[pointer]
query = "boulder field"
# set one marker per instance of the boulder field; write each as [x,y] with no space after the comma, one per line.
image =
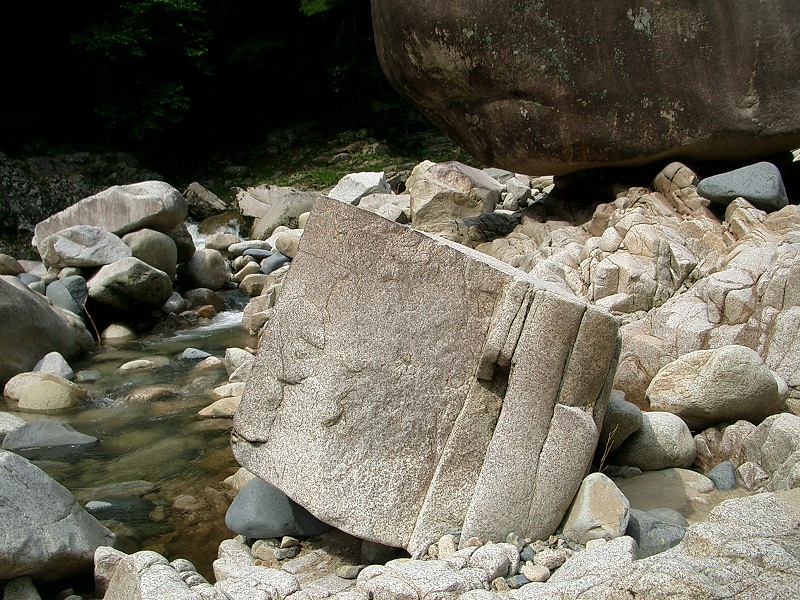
[530,395]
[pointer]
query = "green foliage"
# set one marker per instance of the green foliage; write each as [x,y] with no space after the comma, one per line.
[144,53]
[315,7]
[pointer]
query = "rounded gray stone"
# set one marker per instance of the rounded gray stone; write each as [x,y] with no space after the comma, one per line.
[760,184]
[59,295]
[653,535]
[664,441]
[723,475]
[260,510]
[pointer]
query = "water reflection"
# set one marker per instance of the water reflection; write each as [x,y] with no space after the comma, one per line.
[156,476]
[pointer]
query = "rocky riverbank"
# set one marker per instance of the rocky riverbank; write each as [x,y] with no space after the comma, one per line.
[454,350]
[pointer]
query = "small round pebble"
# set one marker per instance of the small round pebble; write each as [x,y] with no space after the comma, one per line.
[550,558]
[537,573]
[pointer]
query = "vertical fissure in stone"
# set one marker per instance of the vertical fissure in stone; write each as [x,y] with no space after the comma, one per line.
[506,327]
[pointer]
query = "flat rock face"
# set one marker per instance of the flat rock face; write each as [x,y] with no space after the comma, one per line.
[407,385]
[553,87]
[44,533]
[121,209]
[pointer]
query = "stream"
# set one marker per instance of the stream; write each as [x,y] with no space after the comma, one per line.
[156,477]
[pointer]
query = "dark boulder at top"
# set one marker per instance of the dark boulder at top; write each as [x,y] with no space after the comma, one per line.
[546,87]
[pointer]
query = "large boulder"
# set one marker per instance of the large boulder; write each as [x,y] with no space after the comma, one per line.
[82,246]
[32,327]
[130,285]
[552,87]
[122,209]
[664,441]
[399,394]
[44,533]
[713,386]
[760,184]
[272,206]
[155,248]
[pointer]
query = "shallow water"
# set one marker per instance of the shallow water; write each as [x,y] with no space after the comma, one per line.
[156,476]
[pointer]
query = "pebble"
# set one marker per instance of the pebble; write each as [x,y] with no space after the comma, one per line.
[194,354]
[448,544]
[517,581]
[527,553]
[537,573]
[499,584]
[550,558]
[349,571]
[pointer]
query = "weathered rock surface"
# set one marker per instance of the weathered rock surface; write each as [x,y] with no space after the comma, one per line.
[354,186]
[44,533]
[716,445]
[745,540]
[82,246]
[272,206]
[29,316]
[122,209]
[570,96]
[599,510]
[775,447]
[401,424]
[706,387]
[203,203]
[147,575]
[664,441]
[131,285]
[444,192]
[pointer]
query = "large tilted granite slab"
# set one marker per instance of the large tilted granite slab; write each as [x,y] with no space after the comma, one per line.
[121,209]
[407,385]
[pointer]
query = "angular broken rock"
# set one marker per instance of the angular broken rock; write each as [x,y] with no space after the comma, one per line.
[406,385]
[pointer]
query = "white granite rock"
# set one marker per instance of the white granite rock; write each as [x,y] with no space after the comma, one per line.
[600,510]
[711,386]
[664,441]
[359,390]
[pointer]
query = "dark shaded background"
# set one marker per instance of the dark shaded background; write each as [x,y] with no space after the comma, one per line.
[176,81]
